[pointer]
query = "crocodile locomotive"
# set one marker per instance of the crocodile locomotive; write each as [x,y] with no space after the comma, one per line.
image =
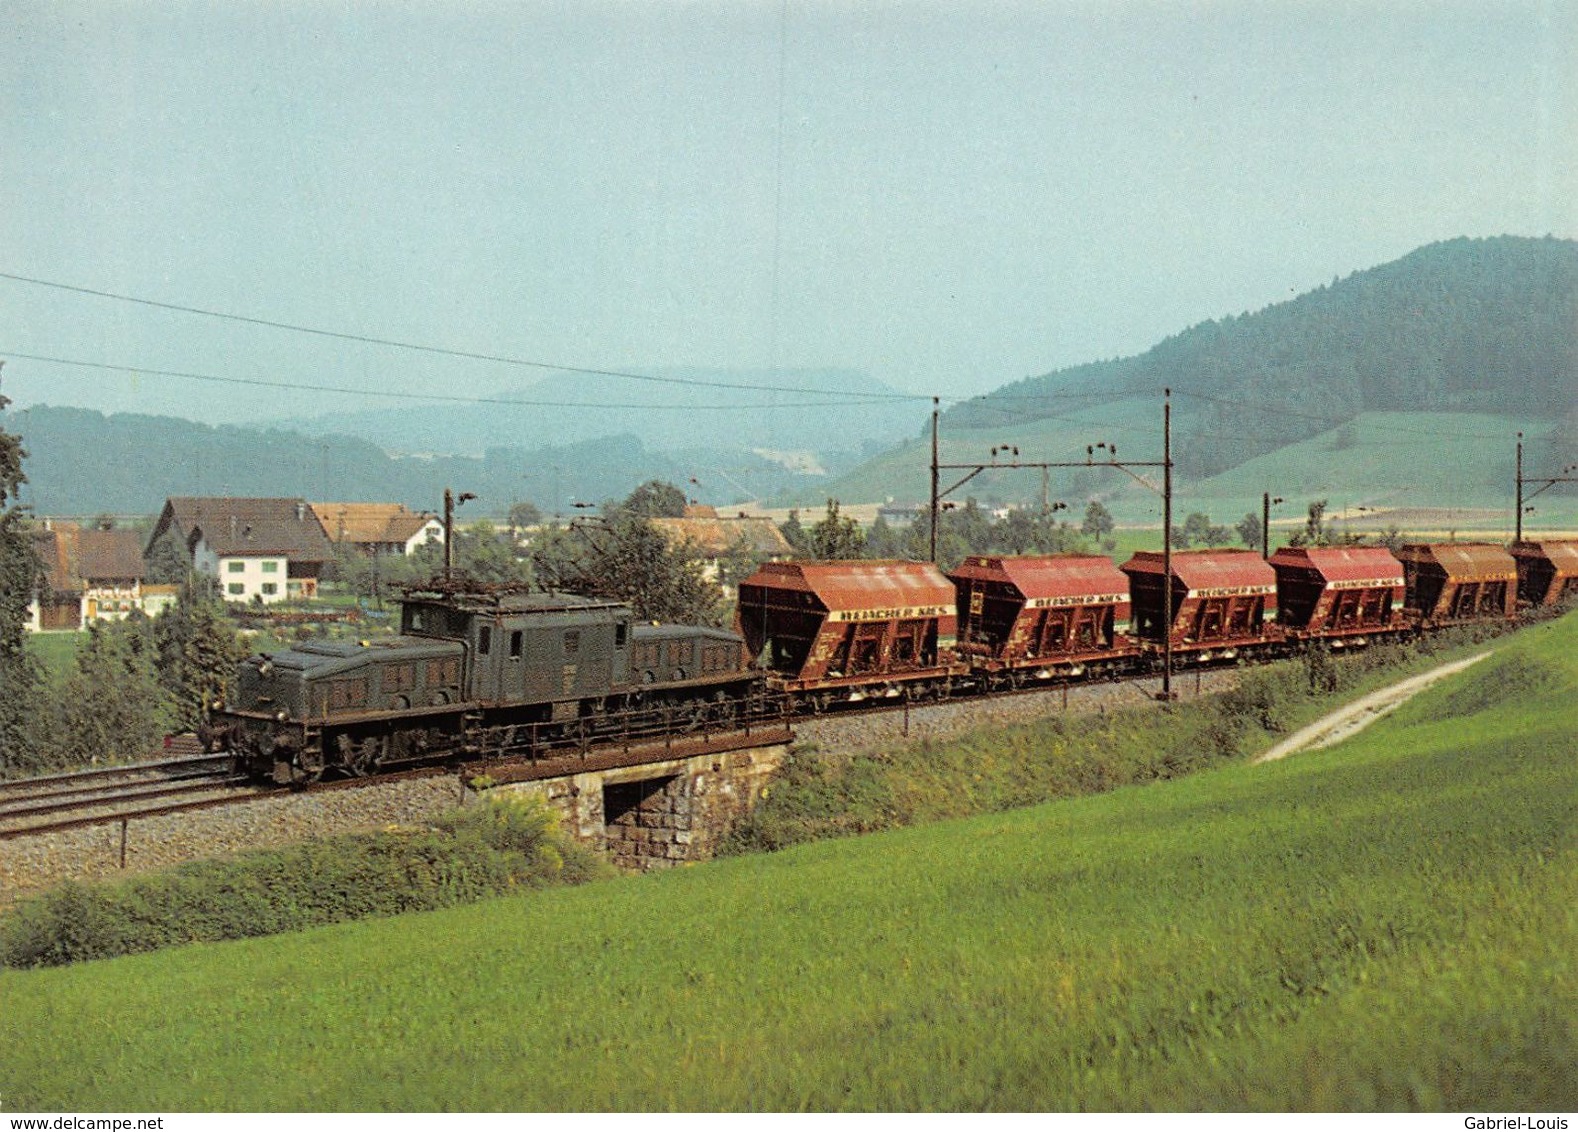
[475,670]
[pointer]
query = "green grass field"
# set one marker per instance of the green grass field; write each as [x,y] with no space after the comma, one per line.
[55,651]
[1388,924]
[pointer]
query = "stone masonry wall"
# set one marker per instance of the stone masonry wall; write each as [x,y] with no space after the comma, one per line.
[667,813]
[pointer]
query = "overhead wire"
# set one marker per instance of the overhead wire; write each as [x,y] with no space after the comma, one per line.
[441,351]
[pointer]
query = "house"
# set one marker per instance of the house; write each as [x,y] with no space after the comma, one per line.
[713,539]
[89,575]
[264,550]
[378,528]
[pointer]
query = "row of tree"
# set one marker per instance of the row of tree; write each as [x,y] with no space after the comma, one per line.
[131,683]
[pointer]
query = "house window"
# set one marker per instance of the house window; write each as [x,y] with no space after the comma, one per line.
[271,568]
[270,588]
[236,588]
[235,567]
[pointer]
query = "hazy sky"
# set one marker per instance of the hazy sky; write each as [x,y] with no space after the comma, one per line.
[948,196]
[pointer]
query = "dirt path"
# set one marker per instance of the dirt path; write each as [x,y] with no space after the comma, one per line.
[1358,715]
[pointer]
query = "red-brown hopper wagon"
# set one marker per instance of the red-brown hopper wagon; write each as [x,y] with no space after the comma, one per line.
[1450,582]
[1547,571]
[849,630]
[1223,602]
[1041,616]
[1341,594]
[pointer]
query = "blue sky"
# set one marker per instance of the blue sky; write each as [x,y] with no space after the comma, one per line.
[946,196]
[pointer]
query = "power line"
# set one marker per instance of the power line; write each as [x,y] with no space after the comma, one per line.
[142,371]
[501,359]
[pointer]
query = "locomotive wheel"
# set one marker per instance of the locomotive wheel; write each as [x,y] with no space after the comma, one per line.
[306,765]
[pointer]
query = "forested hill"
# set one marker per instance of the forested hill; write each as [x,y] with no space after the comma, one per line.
[81,462]
[1464,325]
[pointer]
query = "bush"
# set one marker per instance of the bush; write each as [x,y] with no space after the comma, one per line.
[466,856]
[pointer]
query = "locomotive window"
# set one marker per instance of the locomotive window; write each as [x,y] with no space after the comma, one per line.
[717,658]
[572,642]
[515,644]
[620,629]
[484,640]
[416,619]
[443,672]
[347,694]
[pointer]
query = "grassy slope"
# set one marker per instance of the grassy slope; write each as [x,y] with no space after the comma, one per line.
[1388,924]
[1385,460]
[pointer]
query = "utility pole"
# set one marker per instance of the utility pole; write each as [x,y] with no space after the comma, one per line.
[1167,544]
[450,503]
[1265,522]
[935,498]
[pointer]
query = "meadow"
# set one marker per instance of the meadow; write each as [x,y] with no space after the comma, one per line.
[1390,924]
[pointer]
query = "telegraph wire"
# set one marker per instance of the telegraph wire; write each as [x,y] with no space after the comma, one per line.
[442,351]
[142,371]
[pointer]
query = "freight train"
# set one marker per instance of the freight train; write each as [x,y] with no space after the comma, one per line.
[497,671]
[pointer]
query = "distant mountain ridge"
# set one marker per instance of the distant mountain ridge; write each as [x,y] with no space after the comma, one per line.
[670,413]
[1482,325]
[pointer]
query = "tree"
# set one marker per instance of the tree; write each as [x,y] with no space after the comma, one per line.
[20,675]
[198,648]
[112,707]
[656,499]
[1198,530]
[1249,530]
[1098,522]
[627,559]
[794,533]
[482,554]
[523,514]
[836,536]
[1314,532]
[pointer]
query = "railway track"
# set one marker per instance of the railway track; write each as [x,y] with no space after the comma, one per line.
[34,805]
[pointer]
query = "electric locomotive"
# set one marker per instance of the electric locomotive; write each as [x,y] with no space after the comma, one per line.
[475,671]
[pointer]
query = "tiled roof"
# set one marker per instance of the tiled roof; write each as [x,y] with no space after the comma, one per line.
[53,550]
[239,528]
[105,555]
[73,558]
[369,522]
[757,537]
